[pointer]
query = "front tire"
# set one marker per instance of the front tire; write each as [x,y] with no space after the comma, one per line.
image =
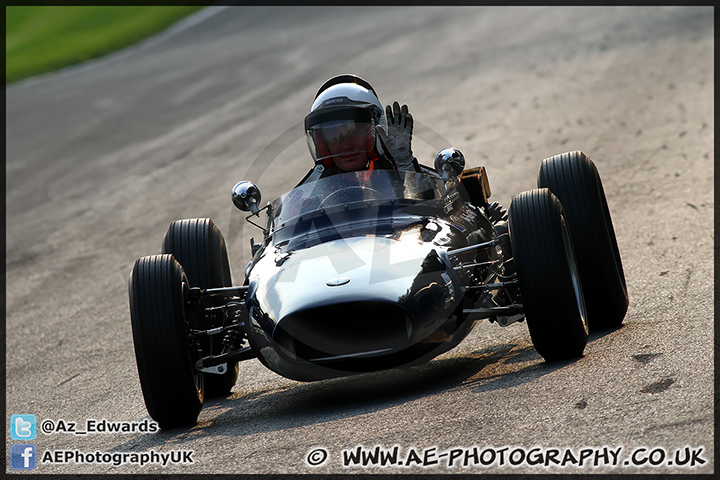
[161,319]
[200,248]
[550,285]
[575,180]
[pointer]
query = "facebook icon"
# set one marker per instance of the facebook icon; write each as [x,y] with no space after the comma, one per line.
[23,457]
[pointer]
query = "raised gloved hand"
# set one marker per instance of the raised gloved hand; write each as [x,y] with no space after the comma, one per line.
[399,135]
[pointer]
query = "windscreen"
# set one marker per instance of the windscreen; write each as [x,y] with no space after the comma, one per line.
[356,190]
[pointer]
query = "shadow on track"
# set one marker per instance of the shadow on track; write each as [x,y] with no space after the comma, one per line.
[303,404]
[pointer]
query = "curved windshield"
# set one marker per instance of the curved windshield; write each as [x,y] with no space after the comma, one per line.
[356,190]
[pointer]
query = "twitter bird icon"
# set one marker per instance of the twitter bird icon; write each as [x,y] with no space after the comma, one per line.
[23,427]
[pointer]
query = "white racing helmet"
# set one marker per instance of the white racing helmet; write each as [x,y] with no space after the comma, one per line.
[343,118]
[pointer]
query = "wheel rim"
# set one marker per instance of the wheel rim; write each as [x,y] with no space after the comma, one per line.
[575,276]
[192,350]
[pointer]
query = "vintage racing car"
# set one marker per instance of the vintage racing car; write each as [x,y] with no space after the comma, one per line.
[371,270]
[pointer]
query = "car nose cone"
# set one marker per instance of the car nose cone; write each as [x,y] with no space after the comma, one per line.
[337,281]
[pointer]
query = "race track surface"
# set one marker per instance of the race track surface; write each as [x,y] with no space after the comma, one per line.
[101,158]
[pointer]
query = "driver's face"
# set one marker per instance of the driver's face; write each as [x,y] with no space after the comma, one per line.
[349,145]
[351,162]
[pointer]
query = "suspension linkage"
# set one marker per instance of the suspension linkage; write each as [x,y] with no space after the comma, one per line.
[214,360]
[477,313]
[492,286]
[457,251]
[239,291]
[472,265]
[213,331]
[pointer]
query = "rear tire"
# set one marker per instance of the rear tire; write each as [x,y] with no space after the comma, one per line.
[200,248]
[575,180]
[550,286]
[161,319]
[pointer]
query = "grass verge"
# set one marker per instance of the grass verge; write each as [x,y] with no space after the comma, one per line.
[40,39]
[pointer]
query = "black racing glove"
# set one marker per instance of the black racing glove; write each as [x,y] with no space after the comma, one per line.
[399,136]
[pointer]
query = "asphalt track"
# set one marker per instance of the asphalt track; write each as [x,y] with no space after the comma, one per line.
[100,159]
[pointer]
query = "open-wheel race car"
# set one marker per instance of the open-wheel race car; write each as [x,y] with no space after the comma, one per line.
[370,270]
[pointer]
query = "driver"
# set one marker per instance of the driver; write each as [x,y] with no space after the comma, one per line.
[347,130]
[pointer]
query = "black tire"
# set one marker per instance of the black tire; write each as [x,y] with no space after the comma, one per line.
[575,180]
[200,248]
[161,318]
[549,281]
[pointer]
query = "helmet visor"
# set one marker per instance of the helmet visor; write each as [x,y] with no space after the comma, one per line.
[343,133]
